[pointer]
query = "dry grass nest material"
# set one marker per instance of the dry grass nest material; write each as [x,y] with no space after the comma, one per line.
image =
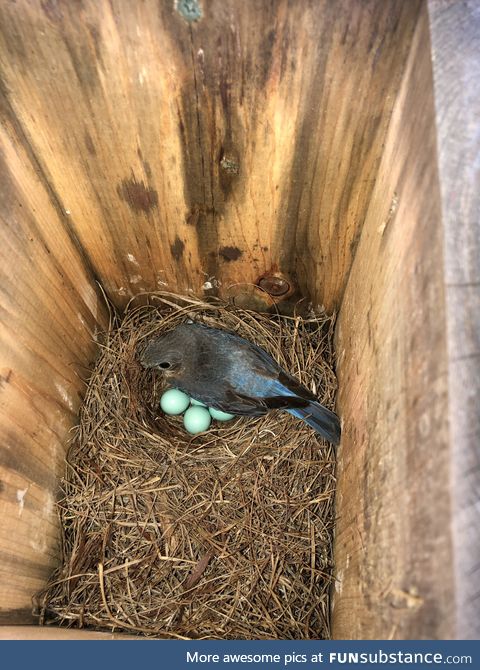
[227,534]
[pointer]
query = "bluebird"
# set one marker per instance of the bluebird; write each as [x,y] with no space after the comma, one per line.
[227,372]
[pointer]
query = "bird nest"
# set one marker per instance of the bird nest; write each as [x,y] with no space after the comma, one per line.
[226,534]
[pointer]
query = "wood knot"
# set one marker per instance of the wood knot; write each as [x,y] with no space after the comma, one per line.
[138,196]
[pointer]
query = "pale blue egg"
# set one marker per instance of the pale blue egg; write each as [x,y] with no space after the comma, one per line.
[218,415]
[174,401]
[196,419]
[197,402]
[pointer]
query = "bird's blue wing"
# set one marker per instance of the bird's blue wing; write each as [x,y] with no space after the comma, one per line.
[231,400]
[251,381]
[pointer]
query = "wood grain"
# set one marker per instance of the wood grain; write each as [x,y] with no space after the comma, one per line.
[51,633]
[200,155]
[49,310]
[393,537]
[455,31]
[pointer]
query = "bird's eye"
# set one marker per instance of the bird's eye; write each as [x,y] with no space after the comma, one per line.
[164,365]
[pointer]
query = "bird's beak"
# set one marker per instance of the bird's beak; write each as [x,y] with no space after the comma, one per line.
[147,360]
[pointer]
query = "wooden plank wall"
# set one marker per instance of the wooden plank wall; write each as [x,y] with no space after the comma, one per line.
[393,538]
[147,150]
[455,29]
[53,633]
[49,310]
[197,154]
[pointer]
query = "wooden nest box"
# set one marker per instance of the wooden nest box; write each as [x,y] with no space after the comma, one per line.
[262,152]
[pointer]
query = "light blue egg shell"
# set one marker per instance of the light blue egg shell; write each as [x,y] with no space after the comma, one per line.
[197,403]
[174,402]
[196,419]
[218,415]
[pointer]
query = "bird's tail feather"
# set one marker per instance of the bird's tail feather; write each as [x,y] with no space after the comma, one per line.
[321,419]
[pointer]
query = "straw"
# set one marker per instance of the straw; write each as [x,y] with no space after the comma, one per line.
[227,534]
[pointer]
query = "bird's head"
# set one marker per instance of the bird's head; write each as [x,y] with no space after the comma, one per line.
[163,354]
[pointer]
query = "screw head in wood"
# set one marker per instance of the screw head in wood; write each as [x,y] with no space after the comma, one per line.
[274,285]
